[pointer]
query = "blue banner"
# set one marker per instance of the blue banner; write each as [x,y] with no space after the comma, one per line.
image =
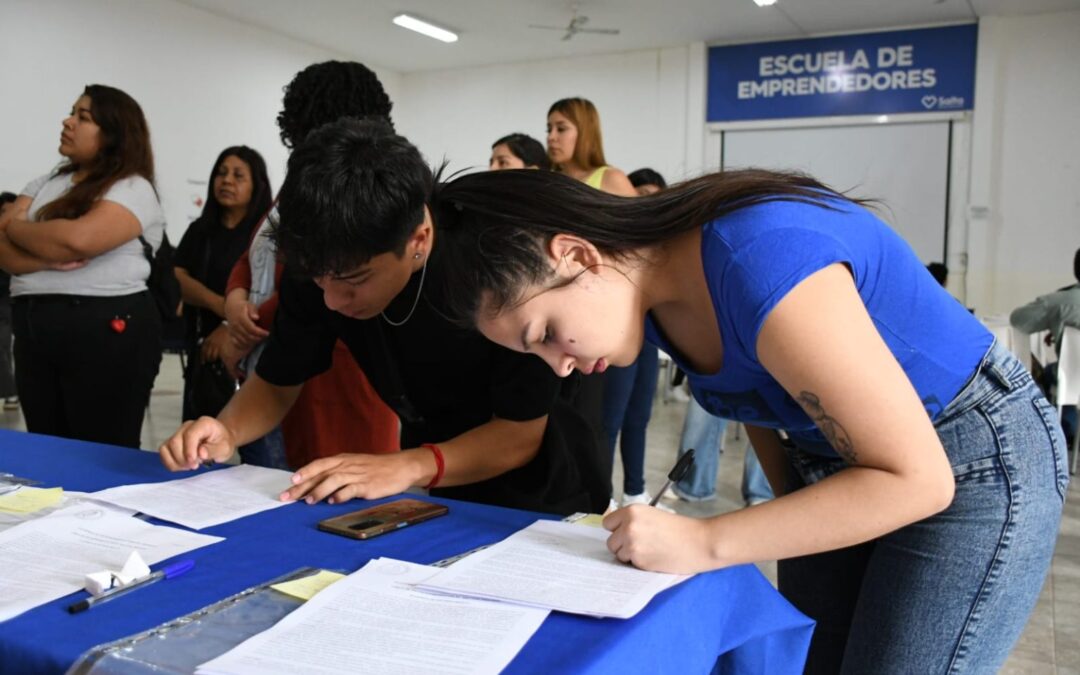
[924,70]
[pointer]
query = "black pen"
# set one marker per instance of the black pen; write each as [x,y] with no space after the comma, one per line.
[167,572]
[676,474]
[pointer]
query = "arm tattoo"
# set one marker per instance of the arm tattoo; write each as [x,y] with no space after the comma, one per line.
[832,429]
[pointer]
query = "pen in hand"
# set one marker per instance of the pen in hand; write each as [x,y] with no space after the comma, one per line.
[676,474]
[167,572]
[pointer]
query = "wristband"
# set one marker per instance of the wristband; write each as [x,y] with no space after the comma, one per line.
[440,464]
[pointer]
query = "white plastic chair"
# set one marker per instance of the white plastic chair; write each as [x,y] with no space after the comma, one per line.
[1021,346]
[1040,351]
[1068,380]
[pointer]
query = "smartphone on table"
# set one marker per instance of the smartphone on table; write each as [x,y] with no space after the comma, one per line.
[372,522]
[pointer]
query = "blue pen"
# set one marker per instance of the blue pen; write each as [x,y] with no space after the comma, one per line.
[167,572]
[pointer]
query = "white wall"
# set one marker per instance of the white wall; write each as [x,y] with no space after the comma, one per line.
[1024,220]
[649,103]
[204,83]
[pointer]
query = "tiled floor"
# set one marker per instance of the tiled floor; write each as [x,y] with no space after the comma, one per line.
[1050,644]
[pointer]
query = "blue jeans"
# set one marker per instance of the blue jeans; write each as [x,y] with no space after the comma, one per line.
[953,592]
[705,433]
[268,451]
[628,398]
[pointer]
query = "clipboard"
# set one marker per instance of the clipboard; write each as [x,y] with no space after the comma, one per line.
[182,644]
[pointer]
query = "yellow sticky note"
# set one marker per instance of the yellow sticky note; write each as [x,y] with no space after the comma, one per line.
[591,520]
[29,499]
[306,588]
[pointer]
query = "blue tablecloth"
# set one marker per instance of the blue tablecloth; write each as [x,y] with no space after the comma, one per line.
[733,615]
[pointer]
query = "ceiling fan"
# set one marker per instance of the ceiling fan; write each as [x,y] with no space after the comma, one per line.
[577,25]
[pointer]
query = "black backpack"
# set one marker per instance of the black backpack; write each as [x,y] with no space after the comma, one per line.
[164,288]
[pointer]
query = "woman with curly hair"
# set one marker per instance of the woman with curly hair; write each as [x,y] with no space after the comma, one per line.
[337,411]
[87,333]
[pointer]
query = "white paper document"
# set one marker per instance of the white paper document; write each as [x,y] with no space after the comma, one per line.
[48,557]
[205,500]
[556,565]
[374,622]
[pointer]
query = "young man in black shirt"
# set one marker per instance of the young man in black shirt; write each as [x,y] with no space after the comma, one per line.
[479,422]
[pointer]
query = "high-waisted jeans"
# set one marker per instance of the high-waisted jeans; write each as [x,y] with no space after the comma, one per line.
[953,592]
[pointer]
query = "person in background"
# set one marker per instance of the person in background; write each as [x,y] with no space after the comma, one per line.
[921,484]
[575,146]
[1052,312]
[629,391]
[337,411]
[87,332]
[704,433]
[238,195]
[518,151]
[7,373]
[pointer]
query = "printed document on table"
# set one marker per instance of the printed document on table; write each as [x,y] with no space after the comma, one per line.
[48,557]
[373,621]
[556,565]
[205,500]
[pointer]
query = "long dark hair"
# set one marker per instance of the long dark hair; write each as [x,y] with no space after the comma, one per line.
[493,227]
[124,151]
[261,196]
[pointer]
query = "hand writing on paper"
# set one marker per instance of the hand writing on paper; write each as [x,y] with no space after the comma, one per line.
[656,541]
[195,442]
[347,476]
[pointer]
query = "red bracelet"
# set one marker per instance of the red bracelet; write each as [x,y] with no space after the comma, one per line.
[440,464]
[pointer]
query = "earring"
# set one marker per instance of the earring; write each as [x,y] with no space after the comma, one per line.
[416,256]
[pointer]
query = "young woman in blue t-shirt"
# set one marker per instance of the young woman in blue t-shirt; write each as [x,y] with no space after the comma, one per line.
[921,474]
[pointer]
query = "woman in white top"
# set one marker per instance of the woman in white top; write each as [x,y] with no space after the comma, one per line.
[87,333]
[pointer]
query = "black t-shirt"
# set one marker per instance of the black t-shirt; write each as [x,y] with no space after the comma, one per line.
[447,380]
[208,251]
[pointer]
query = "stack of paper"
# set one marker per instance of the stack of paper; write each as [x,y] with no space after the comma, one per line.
[47,558]
[555,565]
[205,500]
[373,621]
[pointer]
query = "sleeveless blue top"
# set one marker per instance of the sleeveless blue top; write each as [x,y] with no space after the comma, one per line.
[756,255]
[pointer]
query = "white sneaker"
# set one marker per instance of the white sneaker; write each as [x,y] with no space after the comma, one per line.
[644,498]
[11,403]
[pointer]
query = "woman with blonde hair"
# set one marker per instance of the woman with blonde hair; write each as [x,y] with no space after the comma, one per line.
[576,146]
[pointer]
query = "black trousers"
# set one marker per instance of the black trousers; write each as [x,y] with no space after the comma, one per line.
[84,366]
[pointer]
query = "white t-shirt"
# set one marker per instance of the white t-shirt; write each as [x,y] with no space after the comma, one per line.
[120,271]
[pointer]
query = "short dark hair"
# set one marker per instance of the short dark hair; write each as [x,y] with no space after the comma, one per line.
[7,197]
[647,177]
[324,92]
[354,190]
[527,149]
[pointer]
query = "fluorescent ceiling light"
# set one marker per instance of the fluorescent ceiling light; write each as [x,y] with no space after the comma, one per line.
[425,28]
[764,3]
